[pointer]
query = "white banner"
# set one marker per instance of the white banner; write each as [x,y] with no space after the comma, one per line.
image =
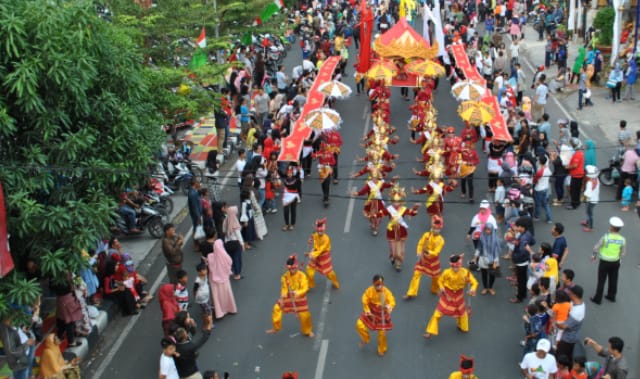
[425,23]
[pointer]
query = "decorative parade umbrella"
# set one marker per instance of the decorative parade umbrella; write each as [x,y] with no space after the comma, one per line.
[476,113]
[382,70]
[425,68]
[468,90]
[335,89]
[323,119]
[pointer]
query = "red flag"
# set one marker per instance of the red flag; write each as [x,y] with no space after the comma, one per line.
[6,261]
[366,26]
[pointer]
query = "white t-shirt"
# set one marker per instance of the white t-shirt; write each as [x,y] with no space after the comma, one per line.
[168,367]
[543,181]
[203,295]
[539,368]
[240,163]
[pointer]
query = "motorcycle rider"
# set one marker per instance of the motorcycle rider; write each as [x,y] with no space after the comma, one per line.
[127,210]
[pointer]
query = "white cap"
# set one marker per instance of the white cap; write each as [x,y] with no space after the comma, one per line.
[616,222]
[484,204]
[544,345]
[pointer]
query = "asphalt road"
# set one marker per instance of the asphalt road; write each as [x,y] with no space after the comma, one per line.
[239,343]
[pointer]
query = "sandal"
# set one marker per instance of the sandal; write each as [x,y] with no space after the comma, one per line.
[484,291]
[492,291]
[292,227]
[285,228]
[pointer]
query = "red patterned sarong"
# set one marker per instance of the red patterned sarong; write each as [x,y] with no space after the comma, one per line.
[429,265]
[301,305]
[322,263]
[452,303]
[374,322]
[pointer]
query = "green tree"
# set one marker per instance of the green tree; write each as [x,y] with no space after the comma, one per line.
[78,122]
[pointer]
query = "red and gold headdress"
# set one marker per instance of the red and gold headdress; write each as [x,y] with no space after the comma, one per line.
[321,224]
[466,364]
[292,261]
[397,193]
[455,260]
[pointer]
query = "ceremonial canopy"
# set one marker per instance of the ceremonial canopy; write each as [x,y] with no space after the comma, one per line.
[401,41]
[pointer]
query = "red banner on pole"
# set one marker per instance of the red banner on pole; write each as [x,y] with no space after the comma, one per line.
[292,144]
[6,261]
[498,125]
[366,27]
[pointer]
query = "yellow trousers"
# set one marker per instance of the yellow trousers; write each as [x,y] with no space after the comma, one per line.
[305,320]
[363,332]
[311,273]
[414,285]
[432,326]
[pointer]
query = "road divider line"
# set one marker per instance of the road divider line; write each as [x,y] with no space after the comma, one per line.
[322,359]
[364,111]
[323,314]
[352,201]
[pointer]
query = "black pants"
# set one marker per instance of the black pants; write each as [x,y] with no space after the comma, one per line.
[306,164]
[125,300]
[360,86]
[492,180]
[487,278]
[615,92]
[566,349]
[607,270]
[559,185]
[335,167]
[467,181]
[624,176]
[404,91]
[326,185]
[63,328]
[575,186]
[290,213]
[234,249]
[521,276]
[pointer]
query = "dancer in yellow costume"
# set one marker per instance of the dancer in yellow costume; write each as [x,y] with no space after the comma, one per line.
[466,369]
[320,256]
[428,250]
[452,284]
[293,299]
[377,304]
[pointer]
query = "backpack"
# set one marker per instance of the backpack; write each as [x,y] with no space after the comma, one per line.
[514,194]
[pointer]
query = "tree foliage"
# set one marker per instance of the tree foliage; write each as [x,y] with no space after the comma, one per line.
[78,122]
[603,22]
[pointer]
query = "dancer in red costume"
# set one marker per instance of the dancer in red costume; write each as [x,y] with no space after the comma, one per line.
[397,228]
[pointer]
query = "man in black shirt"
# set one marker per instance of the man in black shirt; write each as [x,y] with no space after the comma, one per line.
[188,350]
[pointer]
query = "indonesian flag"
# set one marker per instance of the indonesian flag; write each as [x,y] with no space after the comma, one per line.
[271,9]
[202,40]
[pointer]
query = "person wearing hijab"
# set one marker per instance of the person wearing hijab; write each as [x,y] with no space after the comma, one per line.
[52,363]
[168,306]
[234,244]
[479,221]
[590,154]
[487,256]
[220,263]
[578,63]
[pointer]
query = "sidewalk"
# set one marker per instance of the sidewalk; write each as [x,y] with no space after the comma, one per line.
[604,116]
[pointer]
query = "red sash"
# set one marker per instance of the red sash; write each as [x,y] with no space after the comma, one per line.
[374,322]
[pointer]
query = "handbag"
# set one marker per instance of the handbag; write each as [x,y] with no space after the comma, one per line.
[199,233]
[611,83]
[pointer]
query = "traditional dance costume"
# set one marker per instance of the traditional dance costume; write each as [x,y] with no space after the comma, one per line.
[320,256]
[373,207]
[428,249]
[293,299]
[377,304]
[397,228]
[452,284]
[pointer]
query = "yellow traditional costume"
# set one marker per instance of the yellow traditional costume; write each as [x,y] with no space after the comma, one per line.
[452,284]
[377,304]
[293,299]
[429,248]
[466,369]
[320,256]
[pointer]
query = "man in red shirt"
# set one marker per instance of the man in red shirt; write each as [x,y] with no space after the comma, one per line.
[576,172]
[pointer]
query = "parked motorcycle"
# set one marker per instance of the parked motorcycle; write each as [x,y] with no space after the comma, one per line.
[146,218]
[610,175]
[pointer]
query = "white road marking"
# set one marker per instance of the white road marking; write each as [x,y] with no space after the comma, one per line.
[352,202]
[557,102]
[322,359]
[364,111]
[323,314]
[132,321]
